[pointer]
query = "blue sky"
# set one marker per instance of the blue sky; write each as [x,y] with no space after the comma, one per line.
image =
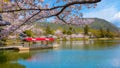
[106,9]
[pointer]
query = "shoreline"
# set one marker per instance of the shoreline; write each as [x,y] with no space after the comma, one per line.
[86,39]
[16,42]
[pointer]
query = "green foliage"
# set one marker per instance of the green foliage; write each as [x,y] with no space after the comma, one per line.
[100,28]
[70,31]
[102,33]
[96,25]
[86,29]
[29,33]
[101,23]
[111,35]
[3,41]
[59,26]
[7,56]
[95,33]
[64,39]
[64,31]
[3,58]
[48,30]
[11,65]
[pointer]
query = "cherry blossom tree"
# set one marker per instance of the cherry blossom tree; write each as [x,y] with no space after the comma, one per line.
[21,12]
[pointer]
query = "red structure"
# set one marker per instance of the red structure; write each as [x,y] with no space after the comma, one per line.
[30,39]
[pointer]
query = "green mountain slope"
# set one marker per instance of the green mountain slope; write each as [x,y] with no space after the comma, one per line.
[96,24]
[101,23]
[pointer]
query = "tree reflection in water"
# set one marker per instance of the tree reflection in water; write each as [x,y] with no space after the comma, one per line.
[3,57]
[89,45]
[8,60]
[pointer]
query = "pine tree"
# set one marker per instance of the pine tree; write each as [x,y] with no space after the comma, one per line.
[48,30]
[86,29]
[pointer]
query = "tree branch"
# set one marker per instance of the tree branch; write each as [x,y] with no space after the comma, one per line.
[27,20]
[63,7]
[18,4]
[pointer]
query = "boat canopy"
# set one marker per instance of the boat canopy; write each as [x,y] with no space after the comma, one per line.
[30,39]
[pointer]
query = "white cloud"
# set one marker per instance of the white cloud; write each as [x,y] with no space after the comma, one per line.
[109,11]
[110,14]
[116,17]
[104,13]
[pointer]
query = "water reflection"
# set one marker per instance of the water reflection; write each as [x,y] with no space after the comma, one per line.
[70,54]
[11,65]
[89,45]
[3,57]
[8,59]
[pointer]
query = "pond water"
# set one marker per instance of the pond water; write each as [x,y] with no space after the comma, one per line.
[74,54]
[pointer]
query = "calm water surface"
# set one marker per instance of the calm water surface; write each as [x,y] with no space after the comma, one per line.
[75,54]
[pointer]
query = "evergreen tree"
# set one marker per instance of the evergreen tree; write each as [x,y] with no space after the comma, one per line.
[70,31]
[102,33]
[48,30]
[29,33]
[107,32]
[64,31]
[86,29]
[110,34]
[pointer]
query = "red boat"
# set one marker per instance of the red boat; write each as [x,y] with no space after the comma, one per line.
[30,39]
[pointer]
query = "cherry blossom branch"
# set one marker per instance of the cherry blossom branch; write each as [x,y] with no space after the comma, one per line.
[38,11]
[18,4]
[26,21]
[63,7]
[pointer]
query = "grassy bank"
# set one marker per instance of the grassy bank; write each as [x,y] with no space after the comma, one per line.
[106,39]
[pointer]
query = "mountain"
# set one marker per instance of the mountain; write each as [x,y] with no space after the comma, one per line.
[96,23]
[101,23]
